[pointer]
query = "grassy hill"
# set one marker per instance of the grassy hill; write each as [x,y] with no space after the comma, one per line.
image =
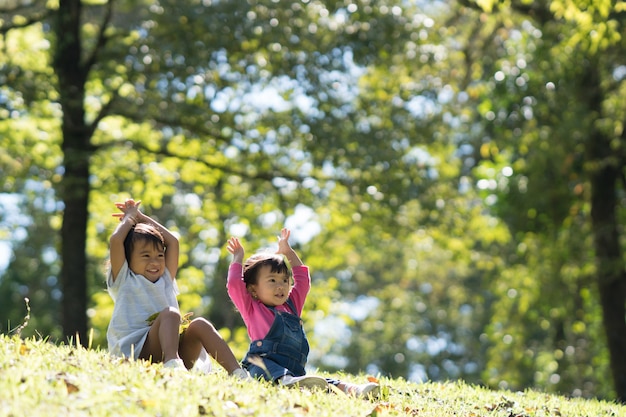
[41,379]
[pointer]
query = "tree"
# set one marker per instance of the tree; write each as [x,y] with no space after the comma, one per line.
[525,105]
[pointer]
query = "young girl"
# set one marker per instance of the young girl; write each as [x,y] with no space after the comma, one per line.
[142,282]
[270,306]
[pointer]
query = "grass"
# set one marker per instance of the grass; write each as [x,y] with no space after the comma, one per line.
[38,378]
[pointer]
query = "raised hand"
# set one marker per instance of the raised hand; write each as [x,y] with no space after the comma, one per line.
[129,208]
[283,242]
[234,246]
[285,249]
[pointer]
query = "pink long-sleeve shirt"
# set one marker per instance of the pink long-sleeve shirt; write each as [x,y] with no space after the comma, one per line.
[256,315]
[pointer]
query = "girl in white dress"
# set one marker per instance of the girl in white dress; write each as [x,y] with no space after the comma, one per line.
[142,282]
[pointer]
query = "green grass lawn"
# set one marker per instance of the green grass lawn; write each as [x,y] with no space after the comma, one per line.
[42,379]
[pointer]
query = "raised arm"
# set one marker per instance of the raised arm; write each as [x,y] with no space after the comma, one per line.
[128,218]
[285,249]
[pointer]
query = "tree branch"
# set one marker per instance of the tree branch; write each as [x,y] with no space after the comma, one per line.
[104,112]
[102,38]
[30,16]
[163,121]
[225,168]
[537,10]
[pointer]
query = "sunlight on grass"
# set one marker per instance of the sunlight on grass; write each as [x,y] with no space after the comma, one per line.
[38,378]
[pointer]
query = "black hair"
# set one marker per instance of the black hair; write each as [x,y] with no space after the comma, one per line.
[142,232]
[252,265]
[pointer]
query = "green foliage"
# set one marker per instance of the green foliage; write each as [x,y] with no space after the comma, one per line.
[441,149]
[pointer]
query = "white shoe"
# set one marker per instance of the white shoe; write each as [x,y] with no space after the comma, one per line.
[304,381]
[175,365]
[371,389]
[242,374]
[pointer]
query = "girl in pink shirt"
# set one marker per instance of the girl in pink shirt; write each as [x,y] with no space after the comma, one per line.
[262,290]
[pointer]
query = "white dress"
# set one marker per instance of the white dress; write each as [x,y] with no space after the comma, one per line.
[136,299]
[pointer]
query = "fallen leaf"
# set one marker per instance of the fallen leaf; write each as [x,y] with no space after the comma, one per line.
[146,403]
[71,388]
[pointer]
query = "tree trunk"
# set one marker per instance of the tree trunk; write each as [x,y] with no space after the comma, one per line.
[611,275]
[74,187]
[604,173]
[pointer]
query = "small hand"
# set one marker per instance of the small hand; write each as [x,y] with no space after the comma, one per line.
[129,208]
[283,241]
[234,246]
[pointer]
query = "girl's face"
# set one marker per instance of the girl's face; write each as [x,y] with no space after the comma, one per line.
[272,288]
[147,259]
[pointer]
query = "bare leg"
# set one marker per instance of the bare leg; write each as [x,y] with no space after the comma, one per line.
[201,333]
[342,386]
[162,341]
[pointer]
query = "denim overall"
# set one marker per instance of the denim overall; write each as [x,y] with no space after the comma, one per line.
[283,351]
